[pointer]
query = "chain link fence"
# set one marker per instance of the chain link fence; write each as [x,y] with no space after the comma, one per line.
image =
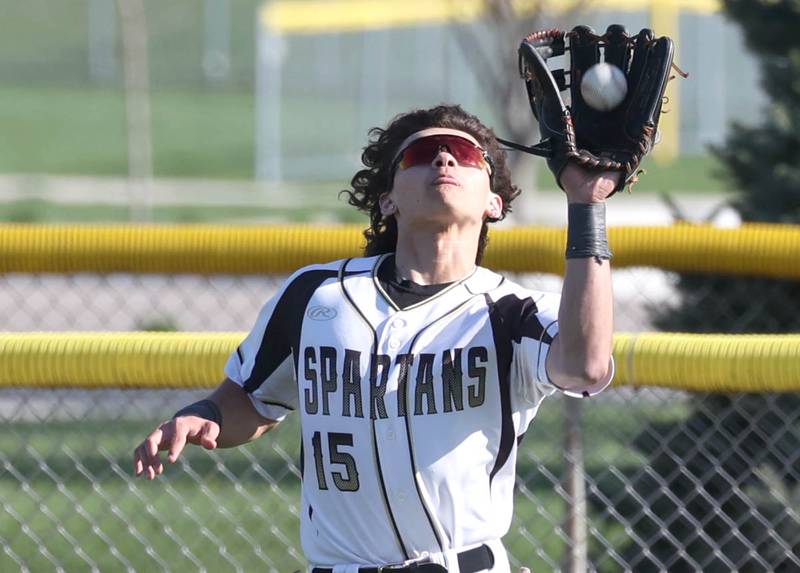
[674,482]
[122,302]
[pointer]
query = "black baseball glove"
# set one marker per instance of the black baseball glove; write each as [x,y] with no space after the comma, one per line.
[617,139]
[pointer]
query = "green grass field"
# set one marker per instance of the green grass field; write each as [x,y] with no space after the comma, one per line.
[39,211]
[204,134]
[69,497]
[209,134]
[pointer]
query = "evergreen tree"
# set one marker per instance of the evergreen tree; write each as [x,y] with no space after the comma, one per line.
[724,476]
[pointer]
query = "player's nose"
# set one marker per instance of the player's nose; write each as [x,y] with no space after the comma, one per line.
[444,159]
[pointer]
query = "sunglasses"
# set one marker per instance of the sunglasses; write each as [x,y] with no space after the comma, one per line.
[424,150]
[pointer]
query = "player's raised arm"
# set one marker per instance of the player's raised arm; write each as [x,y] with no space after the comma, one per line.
[225,419]
[593,146]
[580,356]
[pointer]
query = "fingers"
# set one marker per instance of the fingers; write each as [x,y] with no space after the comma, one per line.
[173,437]
[146,460]
[177,443]
[617,51]
[524,570]
[194,430]
[209,435]
[584,53]
[584,185]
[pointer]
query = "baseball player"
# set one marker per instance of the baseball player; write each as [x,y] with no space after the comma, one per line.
[414,370]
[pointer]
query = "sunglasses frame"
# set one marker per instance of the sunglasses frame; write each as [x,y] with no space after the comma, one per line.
[399,157]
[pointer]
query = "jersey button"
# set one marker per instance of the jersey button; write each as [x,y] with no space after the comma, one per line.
[399,323]
[394,343]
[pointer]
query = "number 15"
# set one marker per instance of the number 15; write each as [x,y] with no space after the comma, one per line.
[347,481]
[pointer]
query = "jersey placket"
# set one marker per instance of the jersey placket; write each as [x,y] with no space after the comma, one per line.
[414,515]
[405,493]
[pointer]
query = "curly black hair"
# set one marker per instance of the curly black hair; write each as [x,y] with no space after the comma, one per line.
[370,183]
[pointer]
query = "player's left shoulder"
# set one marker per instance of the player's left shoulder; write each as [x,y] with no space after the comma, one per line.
[483,281]
[504,287]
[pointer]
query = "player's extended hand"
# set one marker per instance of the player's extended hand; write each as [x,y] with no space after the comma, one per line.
[588,186]
[173,435]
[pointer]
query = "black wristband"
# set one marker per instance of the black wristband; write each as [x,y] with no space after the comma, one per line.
[205,409]
[586,231]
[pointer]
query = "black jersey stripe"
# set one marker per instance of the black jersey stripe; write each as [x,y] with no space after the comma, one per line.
[279,404]
[282,333]
[502,335]
[283,327]
[519,317]
[302,458]
[375,451]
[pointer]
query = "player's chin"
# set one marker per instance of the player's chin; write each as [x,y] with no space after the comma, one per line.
[444,188]
[459,215]
[452,198]
[449,205]
[439,214]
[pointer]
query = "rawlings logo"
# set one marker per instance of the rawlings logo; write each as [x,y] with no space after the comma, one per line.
[321,313]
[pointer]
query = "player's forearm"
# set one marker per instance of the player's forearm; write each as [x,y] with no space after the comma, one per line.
[580,354]
[582,349]
[241,423]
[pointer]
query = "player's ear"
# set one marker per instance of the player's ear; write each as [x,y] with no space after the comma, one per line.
[494,207]
[387,205]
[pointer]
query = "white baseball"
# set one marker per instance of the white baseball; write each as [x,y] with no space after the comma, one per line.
[604,86]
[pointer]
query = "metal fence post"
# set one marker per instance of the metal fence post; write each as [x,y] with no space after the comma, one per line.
[137,107]
[269,57]
[217,40]
[576,557]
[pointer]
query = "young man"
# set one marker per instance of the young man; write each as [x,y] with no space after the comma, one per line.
[415,369]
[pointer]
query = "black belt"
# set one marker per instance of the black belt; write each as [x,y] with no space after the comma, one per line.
[469,561]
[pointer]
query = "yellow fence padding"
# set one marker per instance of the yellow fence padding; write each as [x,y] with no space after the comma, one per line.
[692,362]
[709,362]
[114,359]
[172,249]
[753,249]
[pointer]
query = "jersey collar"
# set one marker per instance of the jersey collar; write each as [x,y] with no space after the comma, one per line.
[479,281]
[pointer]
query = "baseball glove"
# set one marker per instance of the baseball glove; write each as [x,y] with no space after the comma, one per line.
[617,139]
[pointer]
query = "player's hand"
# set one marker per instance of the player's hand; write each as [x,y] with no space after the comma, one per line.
[588,186]
[172,436]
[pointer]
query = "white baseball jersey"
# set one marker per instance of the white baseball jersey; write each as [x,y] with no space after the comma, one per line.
[410,418]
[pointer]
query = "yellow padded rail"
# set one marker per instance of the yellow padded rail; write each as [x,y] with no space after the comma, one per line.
[691,362]
[709,362]
[114,359]
[753,249]
[204,249]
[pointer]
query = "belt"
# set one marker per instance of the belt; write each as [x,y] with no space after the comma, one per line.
[469,561]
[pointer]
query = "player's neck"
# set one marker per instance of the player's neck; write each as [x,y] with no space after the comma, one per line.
[434,259]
